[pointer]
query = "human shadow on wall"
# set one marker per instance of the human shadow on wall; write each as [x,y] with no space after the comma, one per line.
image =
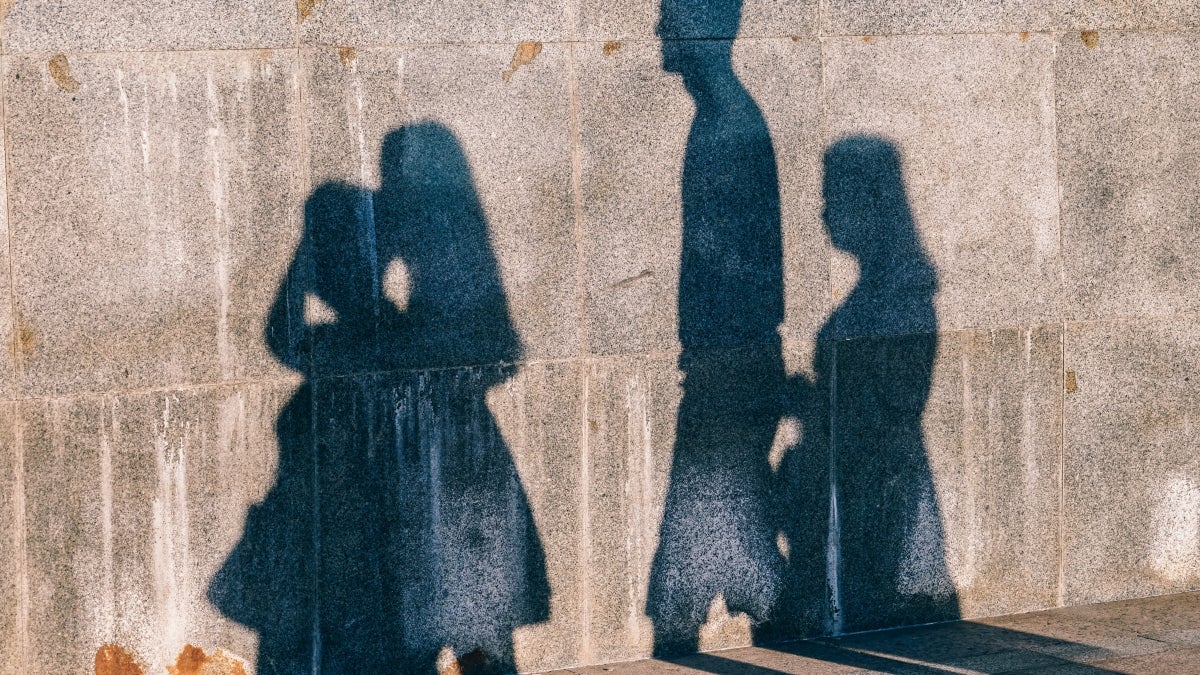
[397,529]
[747,522]
[885,552]
[717,539]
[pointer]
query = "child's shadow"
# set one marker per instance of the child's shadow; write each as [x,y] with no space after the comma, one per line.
[880,525]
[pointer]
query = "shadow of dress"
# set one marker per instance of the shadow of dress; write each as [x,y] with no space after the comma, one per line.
[398,526]
[874,365]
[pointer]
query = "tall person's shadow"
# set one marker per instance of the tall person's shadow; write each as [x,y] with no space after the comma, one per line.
[717,540]
[397,534]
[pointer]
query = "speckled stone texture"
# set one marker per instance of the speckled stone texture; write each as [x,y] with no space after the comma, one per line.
[50,26]
[513,336]
[878,17]
[383,22]
[156,200]
[1134,391]
[633,133]
[12,558]
[972,120]
[144,495]
[1127,155]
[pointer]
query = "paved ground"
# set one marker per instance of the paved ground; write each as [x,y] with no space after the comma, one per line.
[1154,635]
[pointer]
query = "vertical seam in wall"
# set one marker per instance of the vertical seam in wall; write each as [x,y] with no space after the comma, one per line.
[833,536]
[586,649]
[1060,595]
[577,201]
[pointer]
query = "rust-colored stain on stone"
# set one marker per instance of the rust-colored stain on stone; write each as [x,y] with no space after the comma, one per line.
[348,55]
[795,38]
[193,661]
[60,70]
[5,5]
[1024,35]
[26,338]
[526,52]
[305,7]
[189,661]
[114,660]
[868,39]
[611,47]
[1090,38]
[1071,385]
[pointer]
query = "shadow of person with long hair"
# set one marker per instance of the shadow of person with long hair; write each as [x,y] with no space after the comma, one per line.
[717,536]
[874,365]
[397,534]
[854,499]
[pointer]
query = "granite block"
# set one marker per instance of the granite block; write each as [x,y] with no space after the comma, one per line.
[999,480]
[875,17]
[251,593]
[440,211]
[946,454]
[631,404]
[1181,661]
[1177,614]
[133,503]
[152,203]
[649,19]
[1059,634]
[944,147]
[73,25]
[11,334]
[539,414]
[1144,15]
[12,546]
[848,17]
[1130,458]
[708,242]
[352,100]
[382,22]
[1128,148]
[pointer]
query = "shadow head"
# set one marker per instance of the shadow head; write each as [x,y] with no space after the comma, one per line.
[866,209]
[688,28]
[337,231]
[423,155]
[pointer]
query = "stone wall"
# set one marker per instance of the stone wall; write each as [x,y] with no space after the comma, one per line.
[349,335]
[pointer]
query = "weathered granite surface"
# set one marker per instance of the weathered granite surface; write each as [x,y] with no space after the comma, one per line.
[351,335]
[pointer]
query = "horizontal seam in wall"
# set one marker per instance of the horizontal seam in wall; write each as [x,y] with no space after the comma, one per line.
[585,360]
[320,46]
